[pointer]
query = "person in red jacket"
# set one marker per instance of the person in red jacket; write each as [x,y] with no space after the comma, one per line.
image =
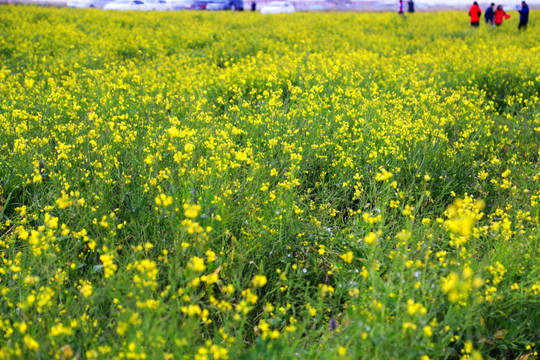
[474,13]
[500,15]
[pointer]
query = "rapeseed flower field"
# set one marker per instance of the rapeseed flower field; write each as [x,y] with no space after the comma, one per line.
[233,186]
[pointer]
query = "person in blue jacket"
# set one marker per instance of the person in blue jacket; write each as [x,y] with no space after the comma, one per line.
[523,16]
[489,14]
[411,6]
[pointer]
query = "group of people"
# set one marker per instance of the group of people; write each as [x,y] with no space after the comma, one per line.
[411,7]
[495,17]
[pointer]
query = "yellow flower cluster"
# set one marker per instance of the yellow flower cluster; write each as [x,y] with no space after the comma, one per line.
[204,185]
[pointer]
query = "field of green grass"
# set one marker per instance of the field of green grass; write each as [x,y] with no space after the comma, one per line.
[194,185]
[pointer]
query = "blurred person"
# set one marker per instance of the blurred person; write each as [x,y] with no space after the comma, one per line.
[474,13]
[489,15]
[500,15]
[411,6]
[523,16]
[401,7]
[253,6]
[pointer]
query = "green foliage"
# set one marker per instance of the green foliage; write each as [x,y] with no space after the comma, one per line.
[230,185]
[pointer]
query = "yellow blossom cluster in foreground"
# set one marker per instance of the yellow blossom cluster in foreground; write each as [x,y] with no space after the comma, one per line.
[232,186]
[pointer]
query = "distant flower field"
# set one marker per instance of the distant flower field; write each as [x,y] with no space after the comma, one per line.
[233,186]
